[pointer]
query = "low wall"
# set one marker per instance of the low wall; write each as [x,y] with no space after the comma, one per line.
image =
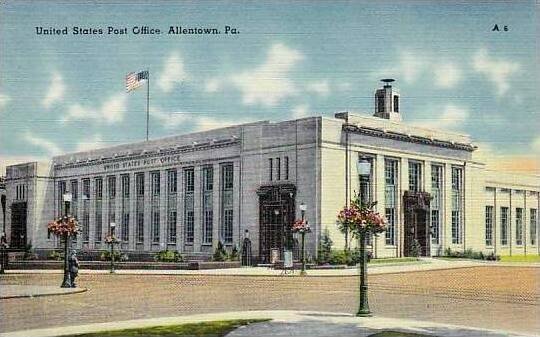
[105,265]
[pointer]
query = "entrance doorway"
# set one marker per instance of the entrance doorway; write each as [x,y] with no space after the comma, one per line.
[276,215]
[18,225]
[417,228]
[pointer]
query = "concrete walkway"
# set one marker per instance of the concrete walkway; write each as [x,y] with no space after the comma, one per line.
[424,264]
[15,291]
[283,323]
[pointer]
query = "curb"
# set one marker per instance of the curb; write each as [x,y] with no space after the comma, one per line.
[276,316]
[76,291]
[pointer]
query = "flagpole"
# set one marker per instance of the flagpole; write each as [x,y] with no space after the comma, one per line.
[147,102]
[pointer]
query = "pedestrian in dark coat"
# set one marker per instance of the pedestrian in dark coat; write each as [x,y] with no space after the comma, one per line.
[73,264]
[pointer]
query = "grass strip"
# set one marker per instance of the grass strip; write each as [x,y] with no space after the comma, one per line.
[203,329]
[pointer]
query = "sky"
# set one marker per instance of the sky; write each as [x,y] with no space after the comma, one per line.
[289,59]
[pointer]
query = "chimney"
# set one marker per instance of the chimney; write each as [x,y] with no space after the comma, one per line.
[387,101]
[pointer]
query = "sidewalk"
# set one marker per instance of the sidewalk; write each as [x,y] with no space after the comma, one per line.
[283,323]
[15,291]
[424,264]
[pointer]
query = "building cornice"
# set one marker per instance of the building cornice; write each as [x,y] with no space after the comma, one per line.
[407,138]
[144,154]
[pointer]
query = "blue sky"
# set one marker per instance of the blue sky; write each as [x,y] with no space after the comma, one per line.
[291,59]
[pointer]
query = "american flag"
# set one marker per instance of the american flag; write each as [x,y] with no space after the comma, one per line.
[135,80]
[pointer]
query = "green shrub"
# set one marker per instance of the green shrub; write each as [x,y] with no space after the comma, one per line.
[415,249]
[325,248]
[235,254]
[168,256]
[118,256]
[55,255]
[470,254]
[220,254]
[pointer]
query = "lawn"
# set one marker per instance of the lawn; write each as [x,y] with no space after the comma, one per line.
[521,258]
[205,329]
[398,334]
[394,260]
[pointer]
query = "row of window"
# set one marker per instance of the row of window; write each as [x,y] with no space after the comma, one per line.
[505,224]
[391,172]
[21,192]
[278,169]
[207,216]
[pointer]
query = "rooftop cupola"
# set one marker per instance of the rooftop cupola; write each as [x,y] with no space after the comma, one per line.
[387,101]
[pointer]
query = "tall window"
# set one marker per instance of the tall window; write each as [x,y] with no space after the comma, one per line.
[207,203]
[390,192]
[227,183]
[99,209]
[111,182]
[86,210]
[189,200]
[532,226]
[270,168]
[415,176]
[155,189]
[139,207]
[172,187]
[286,168]
[125,207]
[74,198]
[278,168]
[519,226]
[61,192]
[504,226]
[365,187]
[436,202]
[396,103]
[489,225]
[457,191]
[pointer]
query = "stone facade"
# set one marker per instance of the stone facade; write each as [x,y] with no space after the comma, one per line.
[311,160]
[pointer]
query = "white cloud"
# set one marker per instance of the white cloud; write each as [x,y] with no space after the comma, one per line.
[452,117]
[321,87]
[509,162]
[447,75]
[4,99]
[111,111]
[90,144]
[197,121]
[410,66]
[172,73]
[300,111]
[50,148]
[55,92]
[497,71]
[212,85]
[535,144]
[203,123]
[114,108]
[169,120]
[269,83]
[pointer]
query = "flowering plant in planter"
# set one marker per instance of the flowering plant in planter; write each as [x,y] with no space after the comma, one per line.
[300,226]
[111,239]
[64,226]
[360,219]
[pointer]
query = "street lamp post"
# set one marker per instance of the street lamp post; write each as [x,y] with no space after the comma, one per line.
[112,242]
[303,209]
[66,282]
[364,170]
[3,246]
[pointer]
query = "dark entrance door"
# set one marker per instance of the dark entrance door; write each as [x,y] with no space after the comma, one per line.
[18,225]
[276,214]
[417,228]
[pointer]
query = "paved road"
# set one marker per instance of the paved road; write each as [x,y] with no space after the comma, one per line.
[504,298]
